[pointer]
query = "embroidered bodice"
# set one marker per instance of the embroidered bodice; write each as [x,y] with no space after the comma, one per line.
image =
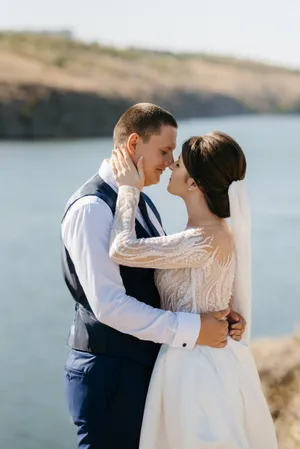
[194,269]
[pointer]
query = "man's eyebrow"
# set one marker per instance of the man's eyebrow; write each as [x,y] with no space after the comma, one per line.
[168,147]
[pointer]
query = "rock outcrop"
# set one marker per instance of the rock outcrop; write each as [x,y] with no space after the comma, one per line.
[52,86]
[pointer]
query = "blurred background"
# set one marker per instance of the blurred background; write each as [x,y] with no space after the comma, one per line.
[68,70]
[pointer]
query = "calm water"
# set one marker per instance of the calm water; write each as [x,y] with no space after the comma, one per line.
[36,310]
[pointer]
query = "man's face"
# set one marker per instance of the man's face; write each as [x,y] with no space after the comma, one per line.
[157,153]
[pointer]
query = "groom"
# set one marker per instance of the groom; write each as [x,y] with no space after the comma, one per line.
[118,325]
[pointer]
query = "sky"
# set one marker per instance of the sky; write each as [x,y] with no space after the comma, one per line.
[266,30]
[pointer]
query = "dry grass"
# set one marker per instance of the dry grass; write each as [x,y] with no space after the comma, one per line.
[278,362]
[68,64]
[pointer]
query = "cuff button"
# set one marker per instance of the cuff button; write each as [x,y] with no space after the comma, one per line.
[184,345]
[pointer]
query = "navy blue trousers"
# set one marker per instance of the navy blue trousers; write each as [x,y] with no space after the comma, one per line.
[106,398]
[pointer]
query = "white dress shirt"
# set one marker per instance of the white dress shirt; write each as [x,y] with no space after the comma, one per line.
[86,235]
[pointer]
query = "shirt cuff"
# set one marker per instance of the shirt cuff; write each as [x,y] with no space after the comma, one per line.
[188,330]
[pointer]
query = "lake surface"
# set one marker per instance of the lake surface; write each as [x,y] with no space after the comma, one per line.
[36,180]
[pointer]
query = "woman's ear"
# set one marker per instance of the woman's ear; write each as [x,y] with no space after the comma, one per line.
[191,184]
[132,143]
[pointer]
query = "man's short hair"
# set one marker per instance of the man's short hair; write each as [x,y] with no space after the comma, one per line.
[145,119]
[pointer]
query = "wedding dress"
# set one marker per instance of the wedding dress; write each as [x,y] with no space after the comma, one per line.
[205,398]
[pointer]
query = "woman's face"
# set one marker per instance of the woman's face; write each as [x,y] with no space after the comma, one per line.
[178,183]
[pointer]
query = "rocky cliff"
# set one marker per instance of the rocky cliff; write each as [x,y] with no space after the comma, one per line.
[36,111]
[53,86]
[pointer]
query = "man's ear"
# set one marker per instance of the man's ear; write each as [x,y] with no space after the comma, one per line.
[132,143]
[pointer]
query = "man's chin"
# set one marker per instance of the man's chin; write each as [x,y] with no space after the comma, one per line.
[152,181]
[154,178]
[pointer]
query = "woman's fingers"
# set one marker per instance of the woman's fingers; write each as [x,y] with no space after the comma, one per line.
[127,158]
[122,159]
[116,160]
[125,172]
[140,168]
[113,163]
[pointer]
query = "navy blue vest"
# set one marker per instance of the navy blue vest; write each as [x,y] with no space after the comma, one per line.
[90,335]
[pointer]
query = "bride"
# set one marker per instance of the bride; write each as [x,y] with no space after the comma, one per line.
[206,398]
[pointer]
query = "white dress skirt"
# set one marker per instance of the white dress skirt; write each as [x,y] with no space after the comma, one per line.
[206,399]
[203,398]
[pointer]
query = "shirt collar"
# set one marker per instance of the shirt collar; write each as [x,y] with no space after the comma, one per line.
[106,173]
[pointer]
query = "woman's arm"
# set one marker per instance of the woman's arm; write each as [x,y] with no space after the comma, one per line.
[185,249]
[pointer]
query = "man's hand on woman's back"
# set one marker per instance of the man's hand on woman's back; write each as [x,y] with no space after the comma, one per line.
[214,329]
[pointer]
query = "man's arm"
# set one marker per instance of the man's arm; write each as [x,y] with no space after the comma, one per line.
[86,233]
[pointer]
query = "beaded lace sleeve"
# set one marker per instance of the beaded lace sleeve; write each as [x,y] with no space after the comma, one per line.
[190,248]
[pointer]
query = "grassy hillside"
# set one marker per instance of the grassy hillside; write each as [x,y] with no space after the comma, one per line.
[53,86]
[69,64]
[278,362]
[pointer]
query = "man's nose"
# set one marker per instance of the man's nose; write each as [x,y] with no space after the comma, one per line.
[169,161]
[171,166]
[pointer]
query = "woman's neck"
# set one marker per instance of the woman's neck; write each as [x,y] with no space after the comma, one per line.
[199,213]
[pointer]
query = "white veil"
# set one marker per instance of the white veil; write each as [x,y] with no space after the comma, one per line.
[241,227]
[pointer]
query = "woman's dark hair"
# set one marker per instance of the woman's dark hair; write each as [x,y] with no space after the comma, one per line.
[214,161]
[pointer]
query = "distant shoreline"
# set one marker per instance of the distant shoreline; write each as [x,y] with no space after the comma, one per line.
[39,112]
[56,87]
